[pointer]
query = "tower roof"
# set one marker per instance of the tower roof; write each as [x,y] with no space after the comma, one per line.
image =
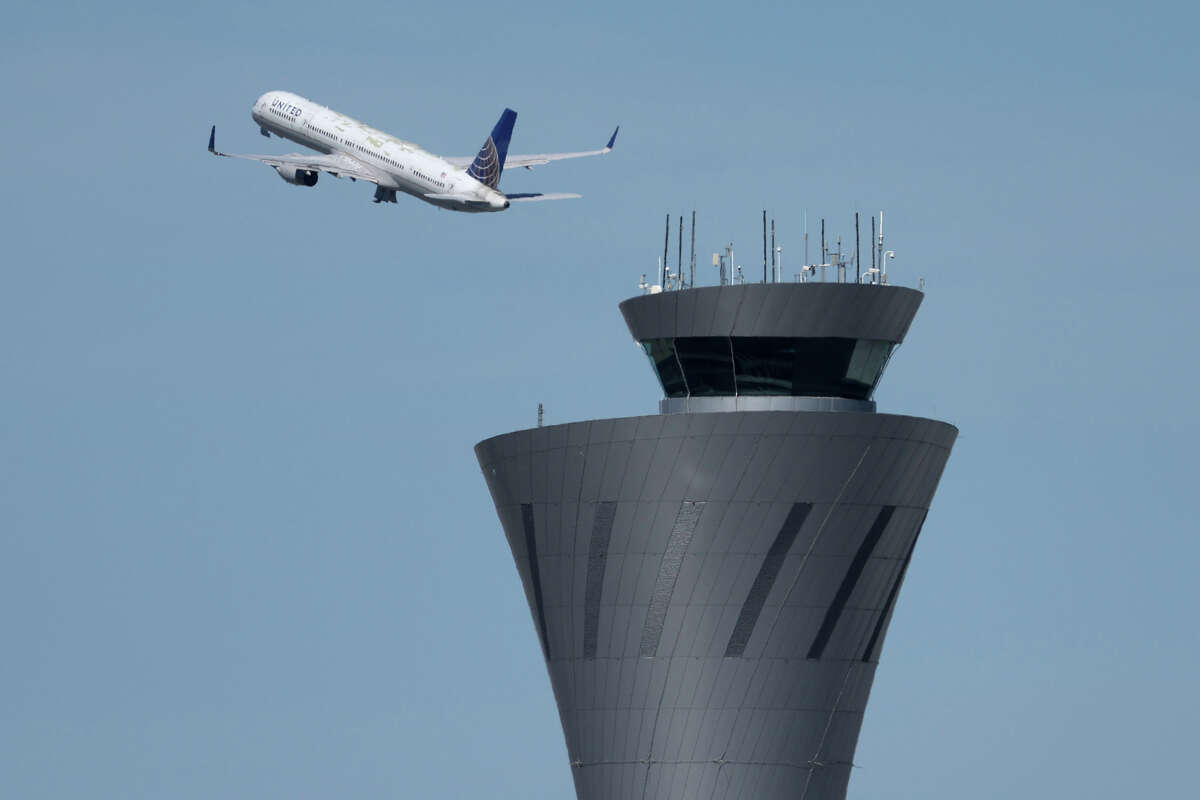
[793,310]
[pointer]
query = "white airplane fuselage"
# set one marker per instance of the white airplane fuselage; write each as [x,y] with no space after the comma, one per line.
[403,166]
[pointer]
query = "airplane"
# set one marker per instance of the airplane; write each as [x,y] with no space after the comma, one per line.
[350,149]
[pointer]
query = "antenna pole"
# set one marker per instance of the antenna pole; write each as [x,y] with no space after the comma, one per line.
[665,269]
[764,245]
[873,248]
[857,244]
[823,261]
[692,278]
[774,271]
[679,263]
[879,245]
[806,237]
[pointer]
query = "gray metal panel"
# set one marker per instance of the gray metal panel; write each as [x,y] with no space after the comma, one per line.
[636,469]
[771,309]
[661,457]
[792,310]
[596,566]
[685,310]
[764,581]
[654,316]
[687,721]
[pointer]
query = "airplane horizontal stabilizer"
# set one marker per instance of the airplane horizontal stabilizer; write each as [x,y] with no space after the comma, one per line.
[532,197]
[456,198]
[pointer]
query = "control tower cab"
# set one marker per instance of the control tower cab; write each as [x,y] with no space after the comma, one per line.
[780,346]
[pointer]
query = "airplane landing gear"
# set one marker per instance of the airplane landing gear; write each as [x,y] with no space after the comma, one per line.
[383,195]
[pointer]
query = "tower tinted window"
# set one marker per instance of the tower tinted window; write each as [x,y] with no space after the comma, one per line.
[707,363]
[745,365]
[662,358]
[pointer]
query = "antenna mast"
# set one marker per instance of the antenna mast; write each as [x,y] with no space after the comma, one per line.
[857,244]
[764,245]
[774,270]
[664,269]
[823,253]
[879,244]
[873,248]
[679,264]
[692,277]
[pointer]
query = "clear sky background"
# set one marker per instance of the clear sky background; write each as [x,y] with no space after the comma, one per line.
[245,548]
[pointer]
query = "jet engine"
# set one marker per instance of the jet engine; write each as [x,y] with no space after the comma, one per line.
[298,177]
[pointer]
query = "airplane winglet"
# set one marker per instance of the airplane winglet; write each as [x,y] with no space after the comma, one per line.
[612,139]
[212,140]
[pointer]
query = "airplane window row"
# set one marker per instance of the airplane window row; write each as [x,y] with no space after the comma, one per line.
[349,143]
[434,181]
[324,133]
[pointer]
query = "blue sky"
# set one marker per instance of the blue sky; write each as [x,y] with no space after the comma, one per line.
[245,549]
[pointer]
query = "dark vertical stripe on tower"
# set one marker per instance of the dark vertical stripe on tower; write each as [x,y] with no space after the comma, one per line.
[848,583]
[765,579]
[869,654]
[597,562]
[535,575]
[668,572]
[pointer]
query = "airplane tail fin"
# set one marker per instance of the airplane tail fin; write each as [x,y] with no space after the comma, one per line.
[490,162]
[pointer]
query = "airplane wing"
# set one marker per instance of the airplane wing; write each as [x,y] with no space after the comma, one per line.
[531,161]
[337,164]
[533,197]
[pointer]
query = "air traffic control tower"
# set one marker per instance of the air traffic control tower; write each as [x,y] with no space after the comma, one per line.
[712,584]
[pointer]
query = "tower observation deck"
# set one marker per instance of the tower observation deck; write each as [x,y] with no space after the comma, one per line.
[712,585]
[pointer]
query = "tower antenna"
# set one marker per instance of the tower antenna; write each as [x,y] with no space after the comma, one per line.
[857,244]
[692,277]
[879,244]
[664,269]
[805,237]
[872,248]
[764,245]
[774,269]
[823,254]
[679,263]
